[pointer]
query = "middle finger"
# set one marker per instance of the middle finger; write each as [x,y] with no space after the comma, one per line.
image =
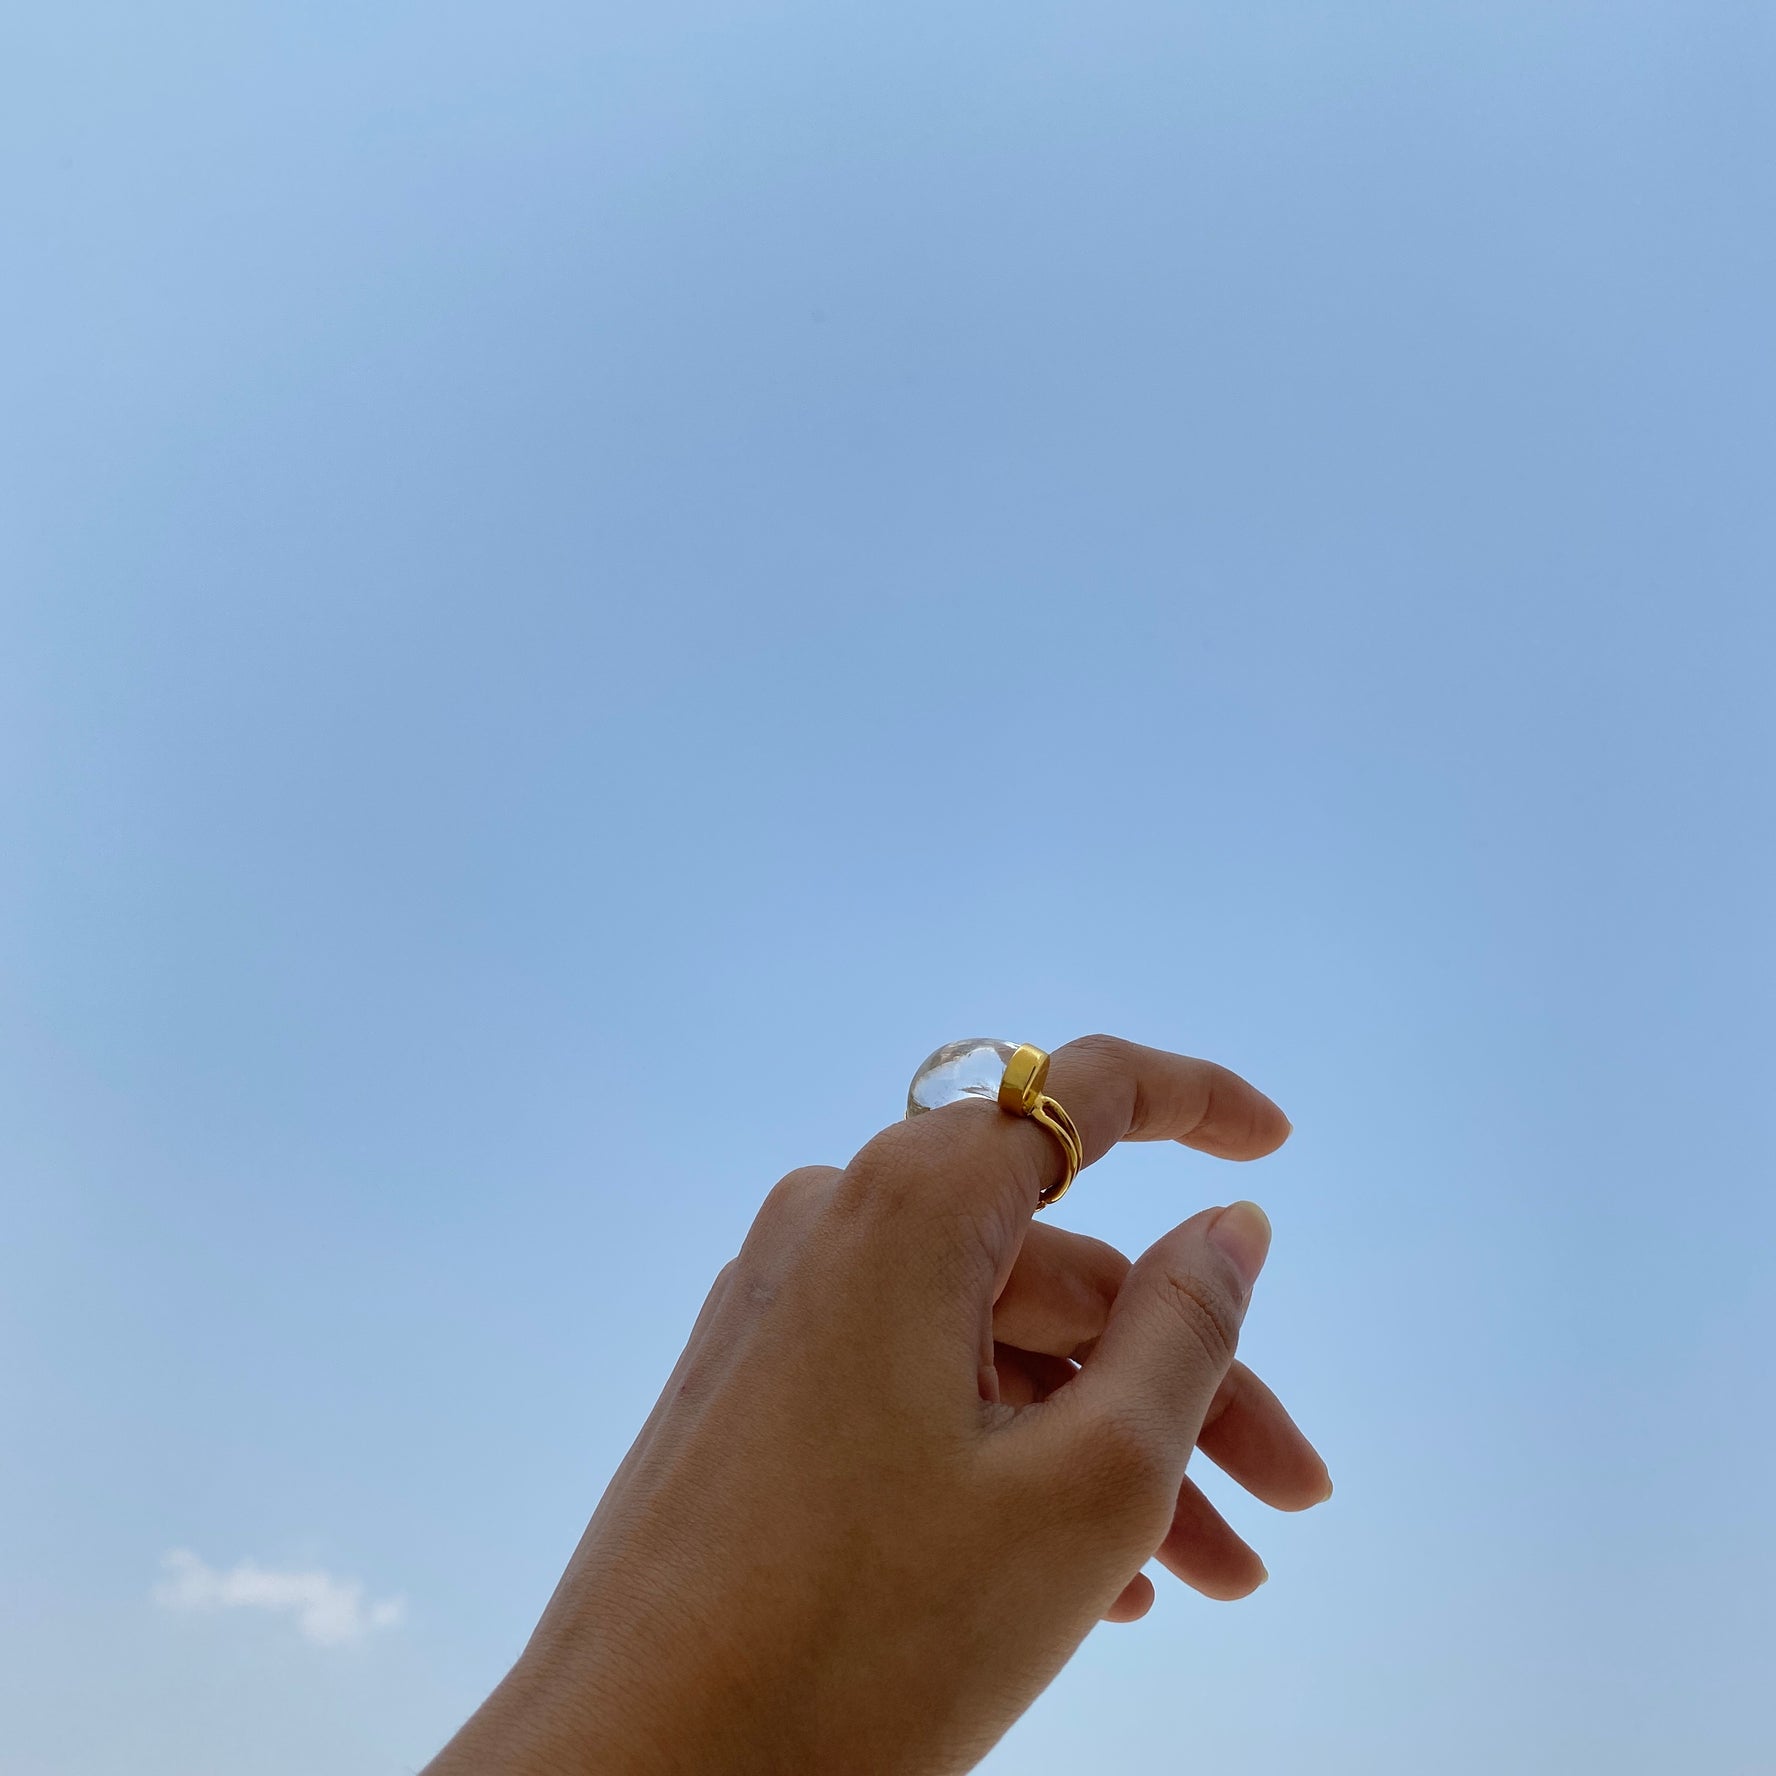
[1058,1295]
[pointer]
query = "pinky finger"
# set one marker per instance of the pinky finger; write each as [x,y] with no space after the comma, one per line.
[1202,1549]
[1134,1601]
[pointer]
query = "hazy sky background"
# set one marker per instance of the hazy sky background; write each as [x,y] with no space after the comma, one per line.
[570,576]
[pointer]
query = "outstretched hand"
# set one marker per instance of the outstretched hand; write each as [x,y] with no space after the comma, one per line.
[916,1446]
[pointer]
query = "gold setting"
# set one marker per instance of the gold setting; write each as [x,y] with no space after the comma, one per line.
[1021,1093]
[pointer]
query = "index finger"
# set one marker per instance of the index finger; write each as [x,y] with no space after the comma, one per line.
[1121,1091]
[974,1157]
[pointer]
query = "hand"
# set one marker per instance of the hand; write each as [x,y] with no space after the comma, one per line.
[878,1505]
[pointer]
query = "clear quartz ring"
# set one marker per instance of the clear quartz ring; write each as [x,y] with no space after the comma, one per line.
[1013,1076]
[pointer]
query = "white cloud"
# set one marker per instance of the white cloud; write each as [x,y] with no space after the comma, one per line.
[328,1611]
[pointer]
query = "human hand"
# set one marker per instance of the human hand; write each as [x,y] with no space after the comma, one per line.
[877,1506]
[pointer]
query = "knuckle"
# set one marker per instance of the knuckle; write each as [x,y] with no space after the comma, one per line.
[1232,1121]
[1128,1453]
[907,1162]
[1080,1300]
[886,1153]
[718,1294]
[1209,1317]
[868,1185]
[1108,1066]
[788,1206]
[906,1188]
[1098,1049]
[1103,1269]
[807,1181]
[1121,1484]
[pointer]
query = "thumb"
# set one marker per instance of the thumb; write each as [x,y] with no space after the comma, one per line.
[1172,1332]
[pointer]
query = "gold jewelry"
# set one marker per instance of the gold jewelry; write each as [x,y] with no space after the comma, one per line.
[1021,1093]
[983,1067]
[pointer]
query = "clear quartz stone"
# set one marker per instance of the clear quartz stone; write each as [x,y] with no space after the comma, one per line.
[968,1069]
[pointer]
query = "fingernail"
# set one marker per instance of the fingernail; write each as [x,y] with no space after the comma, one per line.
[1242,1233]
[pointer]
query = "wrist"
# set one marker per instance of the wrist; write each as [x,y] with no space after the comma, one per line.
[548,1716]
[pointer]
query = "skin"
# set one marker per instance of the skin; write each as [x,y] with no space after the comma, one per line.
[917,1446]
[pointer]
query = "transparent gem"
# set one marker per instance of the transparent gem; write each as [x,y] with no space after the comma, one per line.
[971,1068]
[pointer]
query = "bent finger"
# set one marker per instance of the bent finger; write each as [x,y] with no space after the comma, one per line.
[1114,1091]
[971,1168]
[1249,1435]
[1026,1377]
[1133,1602]
[1203,1549]
[1060,1290]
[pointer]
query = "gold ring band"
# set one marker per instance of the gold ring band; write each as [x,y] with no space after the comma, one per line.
[1021,1094]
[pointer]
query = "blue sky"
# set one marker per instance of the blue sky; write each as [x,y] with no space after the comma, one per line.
[582,585]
